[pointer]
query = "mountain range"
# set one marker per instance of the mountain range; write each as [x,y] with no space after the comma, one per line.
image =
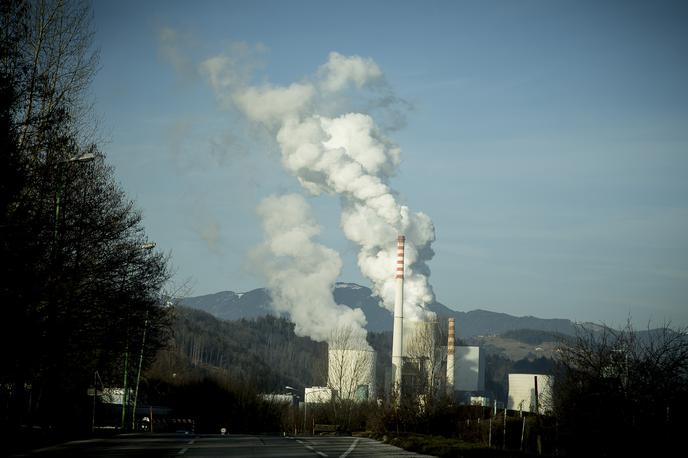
[228,305]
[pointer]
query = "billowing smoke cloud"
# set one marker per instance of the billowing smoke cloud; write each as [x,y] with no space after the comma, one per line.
[346,155]
[300,272]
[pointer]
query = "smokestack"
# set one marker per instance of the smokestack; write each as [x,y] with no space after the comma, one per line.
[450,358]
[398,336]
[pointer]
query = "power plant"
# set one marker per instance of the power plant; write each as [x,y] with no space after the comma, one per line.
[420,364]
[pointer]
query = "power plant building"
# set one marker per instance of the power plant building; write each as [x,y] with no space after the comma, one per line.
[523,389]
[351,373]
[469,368]
[317,394]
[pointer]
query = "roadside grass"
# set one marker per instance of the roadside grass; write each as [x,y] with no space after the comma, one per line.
[446,447]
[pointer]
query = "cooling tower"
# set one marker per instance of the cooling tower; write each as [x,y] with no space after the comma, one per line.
[351,373]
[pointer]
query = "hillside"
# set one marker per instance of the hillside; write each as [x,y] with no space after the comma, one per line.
[228,305]
[262,352]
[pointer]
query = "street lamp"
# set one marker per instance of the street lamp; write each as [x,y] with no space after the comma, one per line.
[96,377]
[86,157]
[295,398]
[145,246]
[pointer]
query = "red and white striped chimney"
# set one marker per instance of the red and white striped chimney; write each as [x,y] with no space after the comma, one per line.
[398,335]
[450,358]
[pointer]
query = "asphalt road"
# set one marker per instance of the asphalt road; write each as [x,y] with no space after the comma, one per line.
[233,445]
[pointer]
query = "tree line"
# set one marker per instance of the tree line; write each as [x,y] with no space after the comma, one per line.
[79,281]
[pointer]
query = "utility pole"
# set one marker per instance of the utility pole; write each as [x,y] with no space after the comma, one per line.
[138,375]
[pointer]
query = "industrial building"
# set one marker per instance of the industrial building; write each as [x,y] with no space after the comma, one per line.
[469,369]
[530,392]
[317,394]
[351,373]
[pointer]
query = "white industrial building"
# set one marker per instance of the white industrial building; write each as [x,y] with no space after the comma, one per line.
[278,398]
[522,389]
[351,373]
[317,394]
[469,368]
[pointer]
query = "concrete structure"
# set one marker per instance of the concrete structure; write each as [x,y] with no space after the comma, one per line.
[318,394]
[420,338]
[351,373]
[469,368]
[398,335]
[522,390]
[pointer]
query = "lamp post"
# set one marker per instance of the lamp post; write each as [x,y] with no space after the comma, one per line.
[295,398]
[145,246]
[96,377]
[305,405]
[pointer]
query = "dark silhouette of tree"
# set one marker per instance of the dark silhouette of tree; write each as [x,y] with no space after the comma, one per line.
[622,391]
[77,286]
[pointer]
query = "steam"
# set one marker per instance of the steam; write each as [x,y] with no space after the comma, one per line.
[301,273]
[342,154]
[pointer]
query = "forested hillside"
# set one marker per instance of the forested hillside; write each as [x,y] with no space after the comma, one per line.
[263,352]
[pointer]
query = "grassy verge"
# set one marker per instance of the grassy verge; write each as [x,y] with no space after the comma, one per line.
[446,447]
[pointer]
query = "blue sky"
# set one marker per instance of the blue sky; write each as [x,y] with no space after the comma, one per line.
[547,140]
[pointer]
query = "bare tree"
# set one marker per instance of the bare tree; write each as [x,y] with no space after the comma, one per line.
[351,366]
[425,356]
[54,63]
[349,362]
[76,288]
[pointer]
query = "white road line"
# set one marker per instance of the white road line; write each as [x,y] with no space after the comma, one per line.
[190,442]
[300,442]
[321,454]
[350,449]
[182,451]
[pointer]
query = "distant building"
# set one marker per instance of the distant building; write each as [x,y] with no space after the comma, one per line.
[318,394]
[469,369]
[522,392]
[278,398]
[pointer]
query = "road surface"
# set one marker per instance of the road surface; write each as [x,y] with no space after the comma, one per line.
[233,445]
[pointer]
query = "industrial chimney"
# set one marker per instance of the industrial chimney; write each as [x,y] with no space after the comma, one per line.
[450,358]
[398,336]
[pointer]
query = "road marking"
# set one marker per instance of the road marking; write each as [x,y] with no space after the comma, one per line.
[300,442]
[350,449]
[190,442]
[182,451]
[321,454]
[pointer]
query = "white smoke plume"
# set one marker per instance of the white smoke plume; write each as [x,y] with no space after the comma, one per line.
[346,155]
[300,272]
